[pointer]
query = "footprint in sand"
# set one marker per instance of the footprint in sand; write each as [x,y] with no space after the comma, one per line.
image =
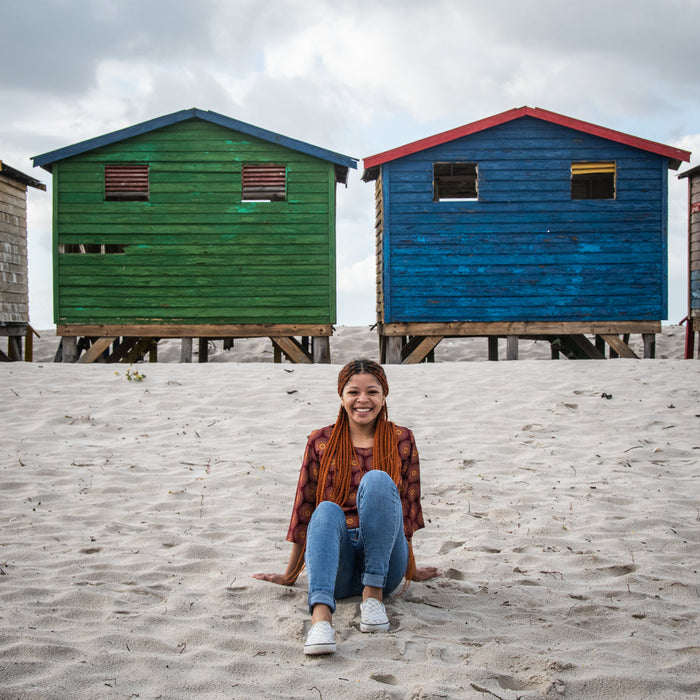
[384,678]
[449,546]
[621,570]
[454,574]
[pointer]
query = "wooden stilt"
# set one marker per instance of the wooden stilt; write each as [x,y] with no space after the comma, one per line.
[586,349]
[321,349]
[14,348]
[420,348]
[203,347]
[600,344]
[292,348]
[393,350]
[619,346]
[69,348]
[29,345]
[186,350]
[96,349]
[121,349]
[512,347]
[649,340]
[493,348]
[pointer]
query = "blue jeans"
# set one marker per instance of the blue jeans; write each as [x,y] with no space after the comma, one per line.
[340,562]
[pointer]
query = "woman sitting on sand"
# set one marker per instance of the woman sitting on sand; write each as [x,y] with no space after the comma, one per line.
[357,506]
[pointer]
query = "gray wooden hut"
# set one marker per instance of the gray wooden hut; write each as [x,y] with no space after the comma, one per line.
[14,286]
[693,319]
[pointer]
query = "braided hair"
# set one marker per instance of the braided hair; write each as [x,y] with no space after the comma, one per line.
[340,452]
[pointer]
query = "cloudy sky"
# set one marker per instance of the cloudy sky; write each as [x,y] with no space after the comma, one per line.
[357,77]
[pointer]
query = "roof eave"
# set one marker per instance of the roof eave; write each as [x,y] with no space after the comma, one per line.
[688,173]
[46,160]
[19,176]
[675,155]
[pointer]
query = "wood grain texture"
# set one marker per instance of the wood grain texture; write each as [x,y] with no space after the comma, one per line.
[525,251]
[14,284]
[694,243]
[195,254]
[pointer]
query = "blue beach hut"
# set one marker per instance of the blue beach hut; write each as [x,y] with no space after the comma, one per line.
[524,224]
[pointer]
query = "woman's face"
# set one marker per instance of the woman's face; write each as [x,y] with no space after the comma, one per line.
[363,398]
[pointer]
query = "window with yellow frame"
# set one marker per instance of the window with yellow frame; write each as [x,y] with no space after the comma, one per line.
[591,180]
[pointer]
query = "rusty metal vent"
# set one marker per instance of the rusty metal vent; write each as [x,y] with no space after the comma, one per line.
[126,182]
[267,183]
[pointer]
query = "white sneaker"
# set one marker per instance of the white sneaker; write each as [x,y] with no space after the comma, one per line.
[321,639]
[373,616]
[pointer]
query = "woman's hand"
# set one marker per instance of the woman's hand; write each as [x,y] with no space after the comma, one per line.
[425,573]
[279,579]
[294,567]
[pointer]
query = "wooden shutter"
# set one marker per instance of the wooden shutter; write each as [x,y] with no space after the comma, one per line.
[592,168]
[126,182]
[264,182]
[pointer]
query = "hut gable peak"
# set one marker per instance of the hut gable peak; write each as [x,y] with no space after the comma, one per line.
[342,162]
[372,163]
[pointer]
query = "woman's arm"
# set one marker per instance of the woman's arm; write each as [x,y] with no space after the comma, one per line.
[294,567]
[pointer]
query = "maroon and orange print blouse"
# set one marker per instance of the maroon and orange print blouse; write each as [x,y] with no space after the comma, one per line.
[305,500]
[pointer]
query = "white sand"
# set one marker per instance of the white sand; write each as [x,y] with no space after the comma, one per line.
[567,526]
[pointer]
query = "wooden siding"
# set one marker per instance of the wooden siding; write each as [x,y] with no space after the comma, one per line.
[14,293]
[525,251]
[694,244]
[195,253]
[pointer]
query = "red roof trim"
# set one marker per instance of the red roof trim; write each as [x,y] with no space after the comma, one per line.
[676,155]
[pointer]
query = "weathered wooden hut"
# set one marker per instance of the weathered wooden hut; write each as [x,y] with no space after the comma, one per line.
[524,224]
[14,284]
[693,319]
[194,225]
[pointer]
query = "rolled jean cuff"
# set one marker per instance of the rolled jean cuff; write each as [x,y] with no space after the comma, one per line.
[374,580]
[321,598]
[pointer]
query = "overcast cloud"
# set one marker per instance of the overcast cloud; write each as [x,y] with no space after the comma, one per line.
[358,78]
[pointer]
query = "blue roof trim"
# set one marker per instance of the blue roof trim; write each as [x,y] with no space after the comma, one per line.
[47,159]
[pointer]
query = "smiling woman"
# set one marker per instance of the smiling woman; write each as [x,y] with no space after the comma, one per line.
[363,399]
[356,508]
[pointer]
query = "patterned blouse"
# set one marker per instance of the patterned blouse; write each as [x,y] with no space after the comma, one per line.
[305,500]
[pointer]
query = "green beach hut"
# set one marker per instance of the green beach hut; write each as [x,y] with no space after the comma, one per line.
[193,225]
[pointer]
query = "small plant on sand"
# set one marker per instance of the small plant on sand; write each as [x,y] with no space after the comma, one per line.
[133,375]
